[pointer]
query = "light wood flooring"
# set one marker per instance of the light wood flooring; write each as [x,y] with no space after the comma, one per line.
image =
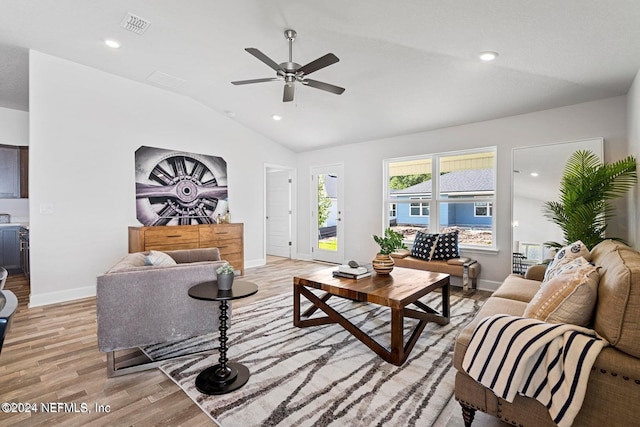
[51,356]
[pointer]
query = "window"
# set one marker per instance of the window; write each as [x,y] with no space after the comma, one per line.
[418,209]
[443,192]
[532,251]
[483,209]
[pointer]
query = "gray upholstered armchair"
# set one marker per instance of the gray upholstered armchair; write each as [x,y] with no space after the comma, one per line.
[8,307]
[139,305]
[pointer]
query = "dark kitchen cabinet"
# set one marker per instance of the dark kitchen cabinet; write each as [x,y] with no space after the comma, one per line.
[10,247]
[24,172]
[9,172]
[14,172]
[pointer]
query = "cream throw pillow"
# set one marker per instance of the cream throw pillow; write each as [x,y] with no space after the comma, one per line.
[159,259]
[564,256]
[569,297]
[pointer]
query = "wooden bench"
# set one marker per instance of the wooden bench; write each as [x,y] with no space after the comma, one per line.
[466,268]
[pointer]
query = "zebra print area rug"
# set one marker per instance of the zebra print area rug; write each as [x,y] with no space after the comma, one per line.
[322,376]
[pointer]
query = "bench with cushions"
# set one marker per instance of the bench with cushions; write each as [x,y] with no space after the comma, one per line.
[439,253]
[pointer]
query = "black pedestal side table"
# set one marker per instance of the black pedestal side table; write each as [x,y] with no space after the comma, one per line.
[225,376]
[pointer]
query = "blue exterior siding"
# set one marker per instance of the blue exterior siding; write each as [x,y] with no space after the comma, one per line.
[460,214]
[403,216]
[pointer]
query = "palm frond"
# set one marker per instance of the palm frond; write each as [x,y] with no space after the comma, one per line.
[583,209]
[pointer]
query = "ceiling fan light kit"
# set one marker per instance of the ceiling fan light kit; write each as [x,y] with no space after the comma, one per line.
[291,72]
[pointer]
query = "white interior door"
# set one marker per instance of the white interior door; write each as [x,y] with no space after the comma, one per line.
[278,212]
[327,222]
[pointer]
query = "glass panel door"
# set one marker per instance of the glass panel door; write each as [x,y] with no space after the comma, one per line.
[327,214]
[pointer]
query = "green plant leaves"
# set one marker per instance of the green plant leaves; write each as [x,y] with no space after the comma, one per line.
[586,189]
[391,241]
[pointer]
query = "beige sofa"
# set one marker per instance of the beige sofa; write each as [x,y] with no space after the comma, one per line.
[613,391]
[139,305]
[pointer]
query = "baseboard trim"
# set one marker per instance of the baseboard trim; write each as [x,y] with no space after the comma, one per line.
[255,263]
[61,296]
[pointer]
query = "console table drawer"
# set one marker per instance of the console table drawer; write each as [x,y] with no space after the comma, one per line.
[221,231]
[225,246]
[170,236]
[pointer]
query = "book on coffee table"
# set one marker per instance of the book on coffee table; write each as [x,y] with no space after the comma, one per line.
[338,273]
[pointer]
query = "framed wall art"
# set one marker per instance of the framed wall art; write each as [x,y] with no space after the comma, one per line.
[178,188]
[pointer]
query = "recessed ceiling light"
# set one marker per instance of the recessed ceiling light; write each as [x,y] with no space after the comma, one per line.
[276,117]
[112,43]
[488,56]
[534,174]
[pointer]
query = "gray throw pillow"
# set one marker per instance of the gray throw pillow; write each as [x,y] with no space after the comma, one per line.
[159,259]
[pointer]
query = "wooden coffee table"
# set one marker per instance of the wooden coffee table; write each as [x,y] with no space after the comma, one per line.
[404,286]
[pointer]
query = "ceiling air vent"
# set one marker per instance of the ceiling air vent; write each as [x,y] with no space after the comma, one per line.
[165,79]
[135,24]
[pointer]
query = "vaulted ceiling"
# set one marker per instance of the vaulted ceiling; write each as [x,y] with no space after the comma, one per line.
[407,66]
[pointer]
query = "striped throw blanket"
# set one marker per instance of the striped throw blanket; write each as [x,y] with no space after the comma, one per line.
[548,362]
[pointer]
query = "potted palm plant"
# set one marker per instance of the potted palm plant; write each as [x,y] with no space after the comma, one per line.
[586,190]
[392,240]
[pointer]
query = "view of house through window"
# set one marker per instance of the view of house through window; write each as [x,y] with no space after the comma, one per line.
[444,192]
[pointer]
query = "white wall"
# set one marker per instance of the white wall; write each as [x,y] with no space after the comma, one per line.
[14,127]
[85,126]
[363,171]
[14,130]
[633,119]
[533,227]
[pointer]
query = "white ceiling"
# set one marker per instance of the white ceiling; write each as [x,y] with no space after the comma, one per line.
[407,66]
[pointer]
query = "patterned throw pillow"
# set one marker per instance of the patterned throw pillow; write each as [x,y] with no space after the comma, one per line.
[159,259]
[564,256]
[423,245]
[446,246]
[569,297]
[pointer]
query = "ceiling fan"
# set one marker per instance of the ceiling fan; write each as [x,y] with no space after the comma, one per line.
[290,72]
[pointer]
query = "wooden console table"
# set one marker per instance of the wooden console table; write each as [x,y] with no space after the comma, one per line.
[228,238]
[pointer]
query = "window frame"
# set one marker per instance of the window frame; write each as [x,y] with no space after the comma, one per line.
[434,203]
[488,205]
[421,206]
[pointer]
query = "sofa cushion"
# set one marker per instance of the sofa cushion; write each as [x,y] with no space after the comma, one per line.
[517,288]
[493,305]
[159,259]
[568,297]
[618,311]
[128,261]
[446,246]
[182,256]
[605,247]
[564,256]
[423,245]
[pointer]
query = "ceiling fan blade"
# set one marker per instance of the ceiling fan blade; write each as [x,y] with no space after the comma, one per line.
[264,58]
[324,86]
[323,61]
[289,90]
[246,82]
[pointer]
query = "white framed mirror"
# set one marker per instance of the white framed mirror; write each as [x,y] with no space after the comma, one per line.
[536,176]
